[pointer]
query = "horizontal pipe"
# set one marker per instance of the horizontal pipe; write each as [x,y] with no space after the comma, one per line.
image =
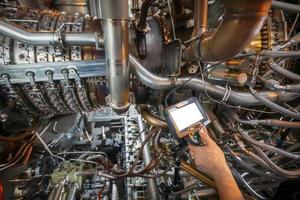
[286,6]
[272,122]
[237,98]
[284,54]
[267,122]
[48,38]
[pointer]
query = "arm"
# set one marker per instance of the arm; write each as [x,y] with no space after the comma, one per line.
[211,159]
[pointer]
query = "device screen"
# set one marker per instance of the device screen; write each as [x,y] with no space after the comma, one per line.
[186,116]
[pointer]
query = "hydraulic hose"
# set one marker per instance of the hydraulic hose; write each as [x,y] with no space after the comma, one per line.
[277,169]
[273,105]
[284,72]
[266,146]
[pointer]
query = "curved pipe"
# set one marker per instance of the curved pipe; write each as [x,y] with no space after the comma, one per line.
[237,98]
[286,6]
[243,19]
[152,120]
[268,147]
[142,25]
[48,38]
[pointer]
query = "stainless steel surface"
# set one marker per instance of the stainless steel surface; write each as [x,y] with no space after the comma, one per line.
[245,18]
[200,17]
[290,7]
[48,38]
[62,96]
[85,69]
[235,97]
[152,182]
[115,26]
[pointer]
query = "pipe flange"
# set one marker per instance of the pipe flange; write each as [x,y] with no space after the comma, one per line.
[119,109]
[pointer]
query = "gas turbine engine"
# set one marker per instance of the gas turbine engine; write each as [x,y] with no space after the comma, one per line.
[84,86]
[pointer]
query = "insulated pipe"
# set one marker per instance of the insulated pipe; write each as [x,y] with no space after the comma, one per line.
[234,97]
[243,19]
[48,38]
[116,41]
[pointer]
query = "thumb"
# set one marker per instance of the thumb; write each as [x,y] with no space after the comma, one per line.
[204,135]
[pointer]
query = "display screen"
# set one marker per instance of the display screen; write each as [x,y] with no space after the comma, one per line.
[186,116]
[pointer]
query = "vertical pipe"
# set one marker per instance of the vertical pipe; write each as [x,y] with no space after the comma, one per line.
[152,184]
[72,192]
[115,26]
[200,17]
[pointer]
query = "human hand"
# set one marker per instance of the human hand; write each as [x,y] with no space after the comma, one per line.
[209,157]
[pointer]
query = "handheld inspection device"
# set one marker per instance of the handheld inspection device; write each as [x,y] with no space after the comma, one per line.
[186,118]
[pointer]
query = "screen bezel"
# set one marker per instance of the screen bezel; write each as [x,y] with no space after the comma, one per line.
[171,122]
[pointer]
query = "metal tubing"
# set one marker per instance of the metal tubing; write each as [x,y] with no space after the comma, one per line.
[142,25]
[200,17]
[237,98]
[243,19]
[115,26]
[48,38]
[152,183]
[202,177]
[59,190]
[199,175]
[152,120]
[286,6]
[284,72]
[72,192]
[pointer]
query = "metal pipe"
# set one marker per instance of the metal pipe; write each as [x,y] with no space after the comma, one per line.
[266,122]
[142,25]
[72,192]
[152,183]
[152,120]
[48,38]
[242,20]
[277,54]
[284,72]
[249,139]
[199,175]
[286,6]
[59,190]
[202,177]
[200,17]
[237,98]
[115,26]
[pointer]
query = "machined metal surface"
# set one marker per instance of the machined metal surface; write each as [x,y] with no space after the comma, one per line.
[84,85]
[115,26]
